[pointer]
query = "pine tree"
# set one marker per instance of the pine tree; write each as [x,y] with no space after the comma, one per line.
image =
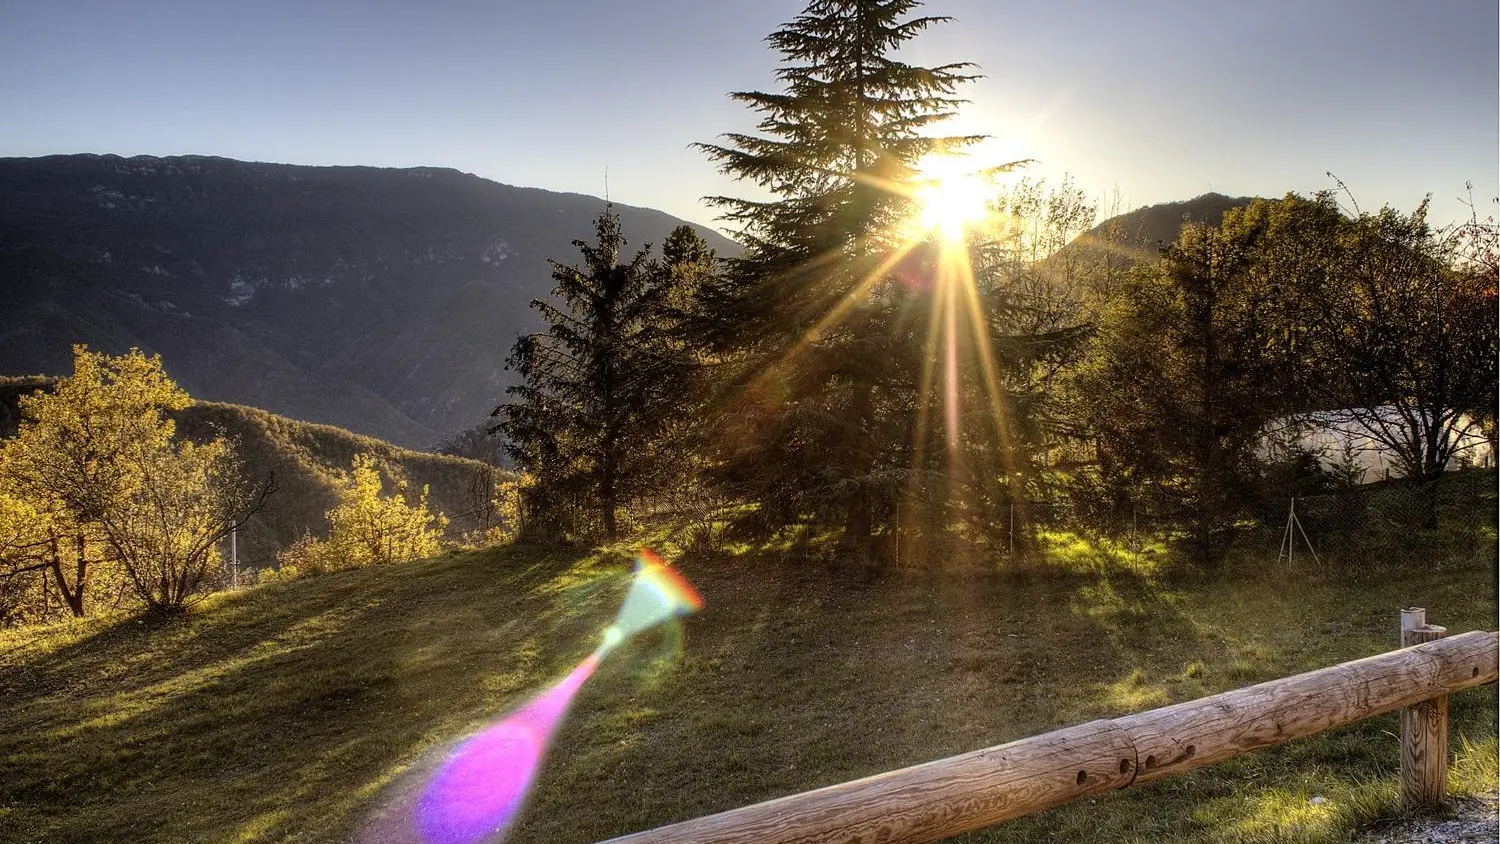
[596,388]
[816,423]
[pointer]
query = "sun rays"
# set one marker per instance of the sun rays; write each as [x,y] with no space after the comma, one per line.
[923,264]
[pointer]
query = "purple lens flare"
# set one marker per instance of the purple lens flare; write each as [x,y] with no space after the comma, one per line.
[478,790]
[473,793]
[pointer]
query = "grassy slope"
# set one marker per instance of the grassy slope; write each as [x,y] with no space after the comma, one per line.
[279,713]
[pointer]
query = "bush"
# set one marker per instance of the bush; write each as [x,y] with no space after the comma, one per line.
[284,572]
[308,555]
[367,527]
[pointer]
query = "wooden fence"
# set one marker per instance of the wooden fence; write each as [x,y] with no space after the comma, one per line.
[986,787]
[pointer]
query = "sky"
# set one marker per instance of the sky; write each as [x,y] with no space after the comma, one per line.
[1140,102]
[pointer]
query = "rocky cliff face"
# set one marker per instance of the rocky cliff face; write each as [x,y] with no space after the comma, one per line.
[382,301]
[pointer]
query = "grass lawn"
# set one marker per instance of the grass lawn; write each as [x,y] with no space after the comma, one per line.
[282,713]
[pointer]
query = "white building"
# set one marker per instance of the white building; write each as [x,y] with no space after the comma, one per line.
[1340,441]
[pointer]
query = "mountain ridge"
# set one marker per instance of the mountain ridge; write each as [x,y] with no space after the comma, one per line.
[1138,236]
[381,300]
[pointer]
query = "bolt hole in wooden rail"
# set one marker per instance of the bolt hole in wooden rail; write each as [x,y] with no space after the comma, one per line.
[986,787]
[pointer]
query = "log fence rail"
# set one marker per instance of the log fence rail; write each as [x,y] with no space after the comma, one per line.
[985,787]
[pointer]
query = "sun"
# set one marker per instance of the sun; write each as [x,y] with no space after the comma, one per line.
[950,205]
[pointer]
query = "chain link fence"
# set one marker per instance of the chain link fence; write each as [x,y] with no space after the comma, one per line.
[1357,525]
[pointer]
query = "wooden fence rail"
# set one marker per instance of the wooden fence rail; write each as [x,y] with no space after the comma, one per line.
[985,787]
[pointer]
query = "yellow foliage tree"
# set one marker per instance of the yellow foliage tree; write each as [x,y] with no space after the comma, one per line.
[109,496]
[23,559]
[67,461]
[167,531]
[367,526]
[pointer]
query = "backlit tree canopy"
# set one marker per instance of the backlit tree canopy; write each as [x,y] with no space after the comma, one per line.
[114,497]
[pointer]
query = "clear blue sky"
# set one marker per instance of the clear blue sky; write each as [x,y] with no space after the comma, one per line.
[1158,99]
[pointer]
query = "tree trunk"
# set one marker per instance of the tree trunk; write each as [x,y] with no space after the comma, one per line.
[1434,463]
[607,505]
[1427,498]
[74,597]
[80,580]
[607,493]
[858,528]
[858,524]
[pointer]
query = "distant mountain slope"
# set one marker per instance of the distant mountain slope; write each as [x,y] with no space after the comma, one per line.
[383,301]
[1140,235]
[305,457]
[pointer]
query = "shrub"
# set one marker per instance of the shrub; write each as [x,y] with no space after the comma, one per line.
[368,527]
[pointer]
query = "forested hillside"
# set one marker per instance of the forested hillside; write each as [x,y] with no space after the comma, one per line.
[306,459]
[382,301]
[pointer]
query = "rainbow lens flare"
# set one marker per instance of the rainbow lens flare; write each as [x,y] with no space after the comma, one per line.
[657,594]
[478,789]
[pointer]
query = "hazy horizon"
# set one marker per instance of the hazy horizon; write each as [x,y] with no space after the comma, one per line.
[1155,102]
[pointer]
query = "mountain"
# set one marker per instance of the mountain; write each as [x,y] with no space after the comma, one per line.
[1138,236]
[383,301]
[307,459]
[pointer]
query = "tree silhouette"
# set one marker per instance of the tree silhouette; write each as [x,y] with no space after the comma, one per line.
[596,387]
[811,308]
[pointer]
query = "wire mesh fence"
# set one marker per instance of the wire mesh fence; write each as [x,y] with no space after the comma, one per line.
[1384,522]
[1392,521]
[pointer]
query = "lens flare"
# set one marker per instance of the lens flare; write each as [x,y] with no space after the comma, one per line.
[657,594]
[477,790]
[476,793]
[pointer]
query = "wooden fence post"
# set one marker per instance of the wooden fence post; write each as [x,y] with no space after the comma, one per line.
[1424,727]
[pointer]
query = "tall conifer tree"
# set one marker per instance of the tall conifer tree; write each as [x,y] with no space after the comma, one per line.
[595,389]
[814,431]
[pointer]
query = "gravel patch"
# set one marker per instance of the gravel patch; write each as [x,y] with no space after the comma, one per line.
[1475,820]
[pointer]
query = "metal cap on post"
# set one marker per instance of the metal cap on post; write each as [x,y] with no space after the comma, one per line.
[1411,619]
[1424,727]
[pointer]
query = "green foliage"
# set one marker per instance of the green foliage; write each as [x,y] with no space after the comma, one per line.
[850,122]
[688,273]
[1190,365]
[1383,327]
[367,527]
[603,382]
[1401,321]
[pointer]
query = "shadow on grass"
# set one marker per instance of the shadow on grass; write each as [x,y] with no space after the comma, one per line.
[281,714]
[278,713]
